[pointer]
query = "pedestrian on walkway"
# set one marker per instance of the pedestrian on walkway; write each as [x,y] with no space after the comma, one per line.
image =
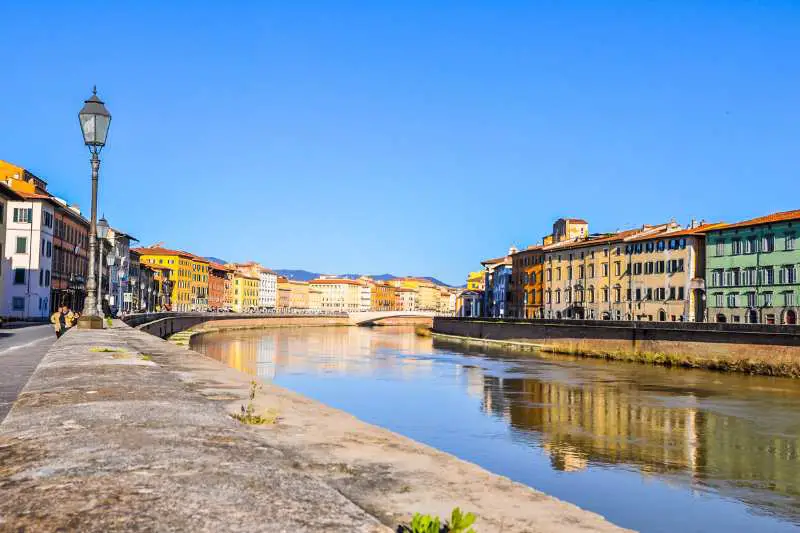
[59,320]
[69,319]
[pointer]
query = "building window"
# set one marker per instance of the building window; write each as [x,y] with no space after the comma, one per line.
[605,294]
[46,278]
[767,276]
[617,294]
[789,241]
[605,270]
[768,243]
[732,299]
[751,299]
[19,276]
[47,219]
[736,246]
[23,215]
[22,245]
[18,303]
[617,268]
[788,299]
[767,296]
[786,274]
[751,245]
[720,248]
[718,299]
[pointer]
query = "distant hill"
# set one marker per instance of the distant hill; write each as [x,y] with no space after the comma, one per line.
[306,275]
[216,260]
[299,275]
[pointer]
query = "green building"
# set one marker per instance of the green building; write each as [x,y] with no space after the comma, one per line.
[751,270]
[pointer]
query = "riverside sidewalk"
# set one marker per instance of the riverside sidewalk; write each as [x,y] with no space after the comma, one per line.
[118,430]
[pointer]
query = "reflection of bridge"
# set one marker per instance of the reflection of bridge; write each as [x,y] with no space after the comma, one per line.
[368,317]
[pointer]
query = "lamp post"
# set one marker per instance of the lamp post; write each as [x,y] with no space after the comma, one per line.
[94,120]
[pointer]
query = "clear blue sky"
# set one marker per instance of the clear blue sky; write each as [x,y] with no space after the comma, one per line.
[415,139]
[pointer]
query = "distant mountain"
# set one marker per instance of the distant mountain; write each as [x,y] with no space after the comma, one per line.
[305,275]
[216,260]
[299,275]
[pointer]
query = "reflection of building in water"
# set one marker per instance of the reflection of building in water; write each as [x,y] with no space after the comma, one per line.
[265,359]
[604,423]
[474,379]
[619,423]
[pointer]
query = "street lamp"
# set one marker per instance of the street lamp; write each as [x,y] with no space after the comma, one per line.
[94,120]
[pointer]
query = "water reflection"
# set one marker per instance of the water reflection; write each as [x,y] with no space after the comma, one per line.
[728,444]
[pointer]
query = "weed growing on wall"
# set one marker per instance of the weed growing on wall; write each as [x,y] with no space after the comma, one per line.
[248,415]
[459,523]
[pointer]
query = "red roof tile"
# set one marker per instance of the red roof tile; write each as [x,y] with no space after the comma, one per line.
[767,219]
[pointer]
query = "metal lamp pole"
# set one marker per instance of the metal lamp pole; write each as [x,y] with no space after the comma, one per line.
[94,120]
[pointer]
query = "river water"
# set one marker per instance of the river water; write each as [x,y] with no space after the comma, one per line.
[649,448]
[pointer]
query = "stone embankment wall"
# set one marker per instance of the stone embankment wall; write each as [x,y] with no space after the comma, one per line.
[165,324]
[754,348]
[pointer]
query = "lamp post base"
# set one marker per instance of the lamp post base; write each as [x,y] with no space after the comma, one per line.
[90,322]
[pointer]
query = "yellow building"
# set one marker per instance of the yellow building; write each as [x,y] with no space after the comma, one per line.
[300,295]
[476,281]
[245,292]
[314,298]
[199,283]
[382,296]
[338,295]
[284,299]
[180,274]
[427,293]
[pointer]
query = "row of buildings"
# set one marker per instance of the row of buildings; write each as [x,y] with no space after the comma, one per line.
[740,272]
[194,283]
[44,244]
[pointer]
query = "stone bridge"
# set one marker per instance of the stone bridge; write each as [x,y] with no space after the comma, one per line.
[366,318]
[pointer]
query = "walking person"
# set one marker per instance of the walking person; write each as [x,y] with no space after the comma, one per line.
[59,321]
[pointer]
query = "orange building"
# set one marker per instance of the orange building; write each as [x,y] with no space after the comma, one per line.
[527,287]
[218,279]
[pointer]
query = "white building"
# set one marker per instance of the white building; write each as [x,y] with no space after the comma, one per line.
[365,296]
[406,299]
[28,254]
[117,270]
[267,289]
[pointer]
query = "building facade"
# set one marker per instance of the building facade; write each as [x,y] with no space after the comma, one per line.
[405,299]
[752,270]
[665,274]
[29,255]
[527,283]
[217,283]
[199,283]
[245,292]
[497,281]
[179,282]
[338,295]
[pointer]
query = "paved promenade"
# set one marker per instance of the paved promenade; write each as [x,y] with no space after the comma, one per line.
[21,349]
[118,431]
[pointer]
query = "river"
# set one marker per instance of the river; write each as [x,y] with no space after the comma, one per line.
[650,448]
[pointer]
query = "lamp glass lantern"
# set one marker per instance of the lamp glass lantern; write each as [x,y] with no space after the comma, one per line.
[102,228]
[95,120]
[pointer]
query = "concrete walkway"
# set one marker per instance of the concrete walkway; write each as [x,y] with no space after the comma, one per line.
[21,349]
[118,430]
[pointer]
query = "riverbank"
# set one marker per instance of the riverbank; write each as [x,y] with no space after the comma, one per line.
[120,430]
[741,348]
